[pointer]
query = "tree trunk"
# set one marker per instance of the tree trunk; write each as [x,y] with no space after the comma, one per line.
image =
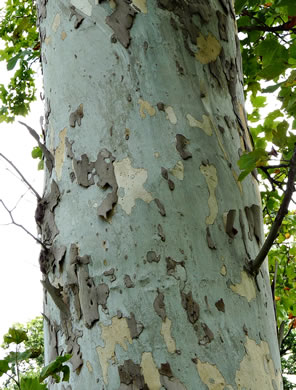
[146,228]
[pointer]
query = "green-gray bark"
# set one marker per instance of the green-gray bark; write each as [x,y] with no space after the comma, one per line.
[146,227]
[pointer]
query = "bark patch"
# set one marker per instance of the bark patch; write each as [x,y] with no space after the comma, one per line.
[121,21]
[186,12]
[78,18]
[191,307]
[76,116]
[159,306]
[181,145]
[105,170]
[130,374]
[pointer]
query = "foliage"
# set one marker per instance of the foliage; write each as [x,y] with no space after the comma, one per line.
[23,363]
[19,35]
[268,50]
[288,352]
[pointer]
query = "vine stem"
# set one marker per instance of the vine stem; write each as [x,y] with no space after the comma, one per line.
[283,210]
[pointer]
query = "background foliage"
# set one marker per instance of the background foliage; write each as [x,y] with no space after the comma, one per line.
[268,46]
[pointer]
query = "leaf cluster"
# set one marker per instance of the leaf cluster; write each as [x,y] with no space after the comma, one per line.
[22,364]
[19,35]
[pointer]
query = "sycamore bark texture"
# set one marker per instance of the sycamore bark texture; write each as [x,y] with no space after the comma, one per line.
[145,225]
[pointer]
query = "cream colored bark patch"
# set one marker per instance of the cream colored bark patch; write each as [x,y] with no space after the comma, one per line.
[209,49]
[116,333]
[60,153]
[210,174]
[89,366]
[83,5]
[170,115]
[178,170]
[145,107]
[112,4]
[205,125]
[141,5]
[150,372]
[131,180]
[63,35]
[56,23]
[257,370]
[223,270]
[246,288]
[211,376]
[48,40]
[166,333]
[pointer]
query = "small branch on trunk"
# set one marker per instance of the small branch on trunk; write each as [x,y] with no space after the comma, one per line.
[255,265]
[21,226]
[45,151]
[21,176]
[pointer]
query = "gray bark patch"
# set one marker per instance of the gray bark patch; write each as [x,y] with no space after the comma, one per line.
[136,328]
[191,307]
[76,116]
[121,21]
[181,145]
[160,206]
[105,170]
[78,18]
[130,374]
[220,305]
[152,257]
[159,306]
[128,282]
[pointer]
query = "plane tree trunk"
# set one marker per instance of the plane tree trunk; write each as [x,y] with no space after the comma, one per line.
[146,228]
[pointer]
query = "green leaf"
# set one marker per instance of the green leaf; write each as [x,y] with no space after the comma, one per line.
[244,174]
[29,383]
[16,336]
[4,367]
[40,165]
[54,367]
[258,101]
[279,136]
[239,5]
[250,160]
[272,88]
[36,152]
[12,62]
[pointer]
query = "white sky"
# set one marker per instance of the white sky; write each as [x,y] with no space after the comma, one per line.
[20,288]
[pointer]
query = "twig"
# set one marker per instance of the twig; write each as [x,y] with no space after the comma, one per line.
[283,210]
[284,339]
[45,151]
[270,179]
[21,226]
[22,176]
[281,28]
[276,166]
[281,334]
[20,198]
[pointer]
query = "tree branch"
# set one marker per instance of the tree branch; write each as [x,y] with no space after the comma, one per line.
[21,226]
[21,176]
[255,265]
[280,28]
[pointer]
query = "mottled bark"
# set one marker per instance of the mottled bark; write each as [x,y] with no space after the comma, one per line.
[147,230]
